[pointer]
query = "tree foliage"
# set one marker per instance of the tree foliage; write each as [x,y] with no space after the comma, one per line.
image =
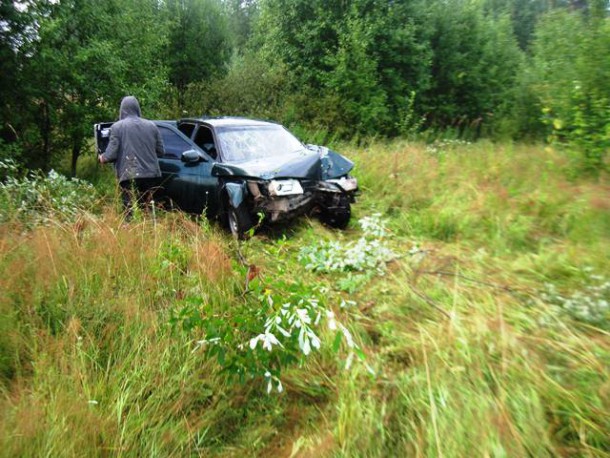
[351,67]
[83,57]
[570,75]
[474,65]
[250,87]
[199,42]
[354,63]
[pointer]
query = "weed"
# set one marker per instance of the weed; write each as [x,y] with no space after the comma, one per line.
[263,336]
[589,303]
[370,251]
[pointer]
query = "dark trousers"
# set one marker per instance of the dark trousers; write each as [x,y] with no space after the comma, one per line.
[138,192]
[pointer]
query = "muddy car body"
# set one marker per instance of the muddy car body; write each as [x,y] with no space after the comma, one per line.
[244,171]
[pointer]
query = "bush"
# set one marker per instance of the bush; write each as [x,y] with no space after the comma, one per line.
[33,198]
[251,88]
[277,326]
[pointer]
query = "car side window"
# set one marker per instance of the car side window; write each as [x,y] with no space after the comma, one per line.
[205,140]
[174,145]
[187,129]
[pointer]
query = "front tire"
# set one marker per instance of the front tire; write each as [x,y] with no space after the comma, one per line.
[239,221]
[338,216]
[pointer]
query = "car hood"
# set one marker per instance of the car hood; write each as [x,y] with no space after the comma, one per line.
[314,163]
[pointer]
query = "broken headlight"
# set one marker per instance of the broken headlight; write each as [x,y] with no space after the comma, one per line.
[346,184]
[284,187]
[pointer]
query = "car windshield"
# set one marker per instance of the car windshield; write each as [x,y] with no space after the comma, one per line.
[244,143]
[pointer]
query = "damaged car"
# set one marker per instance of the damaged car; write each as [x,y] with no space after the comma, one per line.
[245,171]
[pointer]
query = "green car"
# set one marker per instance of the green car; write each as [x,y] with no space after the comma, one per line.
[237,169]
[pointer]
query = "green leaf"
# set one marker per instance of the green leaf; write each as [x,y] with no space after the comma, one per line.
[557,124]
[360,354]
[337,342]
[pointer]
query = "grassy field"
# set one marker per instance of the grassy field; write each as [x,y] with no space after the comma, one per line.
[486,332]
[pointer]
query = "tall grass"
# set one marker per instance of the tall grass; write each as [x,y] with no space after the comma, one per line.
[508,374]
[472,352]
[90,363]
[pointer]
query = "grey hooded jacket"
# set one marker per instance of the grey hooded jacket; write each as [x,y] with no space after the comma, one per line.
[135,143]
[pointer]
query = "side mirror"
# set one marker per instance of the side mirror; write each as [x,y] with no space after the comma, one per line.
[190,156]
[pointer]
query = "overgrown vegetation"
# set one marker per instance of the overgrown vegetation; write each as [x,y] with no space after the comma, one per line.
[465,310]
[479,324]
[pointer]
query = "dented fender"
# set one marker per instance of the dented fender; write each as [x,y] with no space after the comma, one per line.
[236,193]
[333,164]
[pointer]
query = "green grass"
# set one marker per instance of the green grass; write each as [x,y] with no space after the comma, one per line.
[471,356]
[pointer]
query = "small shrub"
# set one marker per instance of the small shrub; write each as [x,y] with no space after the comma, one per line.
[34,198]
[282,326]
[590,303]
[369,252]
[11,152]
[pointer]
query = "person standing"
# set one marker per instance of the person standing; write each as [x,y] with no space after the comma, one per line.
[134,147]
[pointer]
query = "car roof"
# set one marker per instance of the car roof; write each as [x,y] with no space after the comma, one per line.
[229,121]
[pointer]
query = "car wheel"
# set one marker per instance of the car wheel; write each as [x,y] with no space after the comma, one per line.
[337,217]
[239,221]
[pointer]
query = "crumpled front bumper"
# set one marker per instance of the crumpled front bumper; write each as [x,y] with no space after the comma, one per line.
[326,195]
[285,208]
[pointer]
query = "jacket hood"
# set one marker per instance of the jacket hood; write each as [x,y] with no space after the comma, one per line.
[129,107]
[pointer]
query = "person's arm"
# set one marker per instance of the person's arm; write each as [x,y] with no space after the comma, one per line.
[112,150]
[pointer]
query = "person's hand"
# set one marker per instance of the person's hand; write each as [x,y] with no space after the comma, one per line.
[101,159]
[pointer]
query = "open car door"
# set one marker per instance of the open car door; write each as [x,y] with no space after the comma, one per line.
[102,136]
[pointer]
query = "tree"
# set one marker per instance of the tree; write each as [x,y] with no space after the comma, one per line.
[242,15]
[475,63]
[524,15]
[199,43]
[17,32]
[249,88]
[354,79]
[87,56]
[354,64]
[569,77]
